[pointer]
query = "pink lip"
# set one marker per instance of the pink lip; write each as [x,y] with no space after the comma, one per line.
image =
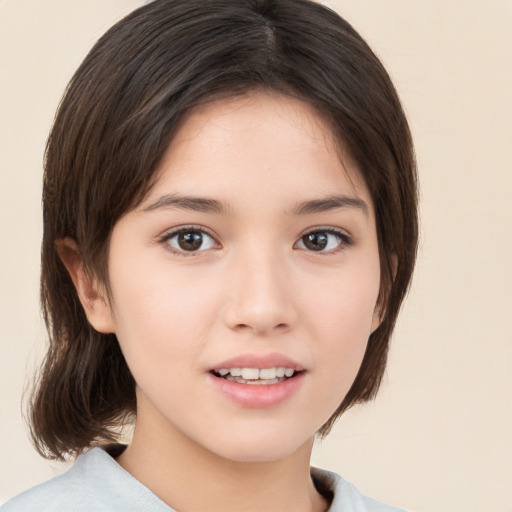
[258,396]
[272,360]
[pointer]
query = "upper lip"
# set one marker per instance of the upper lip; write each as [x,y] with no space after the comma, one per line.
[273,360]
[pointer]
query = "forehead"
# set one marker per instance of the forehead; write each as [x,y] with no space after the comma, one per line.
[254,146]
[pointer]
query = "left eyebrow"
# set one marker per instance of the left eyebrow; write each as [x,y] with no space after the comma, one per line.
[329,203]
[196,204]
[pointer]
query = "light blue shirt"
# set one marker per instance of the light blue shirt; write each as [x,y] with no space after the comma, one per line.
[96,482]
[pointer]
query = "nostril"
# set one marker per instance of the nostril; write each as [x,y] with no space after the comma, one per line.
[260,329]
[242,327]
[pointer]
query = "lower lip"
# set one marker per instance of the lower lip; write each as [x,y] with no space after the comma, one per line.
[257,396]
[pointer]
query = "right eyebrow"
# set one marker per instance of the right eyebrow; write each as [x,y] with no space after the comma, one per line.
[329,203]
[197,204]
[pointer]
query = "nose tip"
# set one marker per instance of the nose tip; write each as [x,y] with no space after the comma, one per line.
[260,300]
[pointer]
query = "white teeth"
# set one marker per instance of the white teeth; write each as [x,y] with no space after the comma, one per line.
[250,373]
[257,373]
[267,373]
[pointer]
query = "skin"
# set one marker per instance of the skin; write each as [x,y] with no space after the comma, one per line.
[254,287]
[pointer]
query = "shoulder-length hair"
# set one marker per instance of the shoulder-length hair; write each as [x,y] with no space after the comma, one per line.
[118,115]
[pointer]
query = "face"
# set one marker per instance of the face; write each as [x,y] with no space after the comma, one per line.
[254,257]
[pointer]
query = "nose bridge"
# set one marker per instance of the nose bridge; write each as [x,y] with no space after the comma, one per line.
[260,297]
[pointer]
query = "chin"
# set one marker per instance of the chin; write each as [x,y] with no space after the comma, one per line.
[261,446]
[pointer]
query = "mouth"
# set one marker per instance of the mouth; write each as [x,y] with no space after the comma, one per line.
[256,376]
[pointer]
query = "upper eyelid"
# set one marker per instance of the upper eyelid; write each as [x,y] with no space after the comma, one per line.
[324,228]
[345,241]
[168,235]
[181,229]
[328,229]
[164,239]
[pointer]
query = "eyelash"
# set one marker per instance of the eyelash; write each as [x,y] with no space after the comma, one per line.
[345,240]
[184,230]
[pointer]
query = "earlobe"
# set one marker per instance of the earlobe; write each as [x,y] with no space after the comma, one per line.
[90,293]
[377,318]
[380,310]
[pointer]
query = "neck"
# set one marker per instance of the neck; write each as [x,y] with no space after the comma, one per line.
[190,478]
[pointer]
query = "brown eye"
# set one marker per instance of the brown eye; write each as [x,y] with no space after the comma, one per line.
[323,241]
[191,240]
[315,241]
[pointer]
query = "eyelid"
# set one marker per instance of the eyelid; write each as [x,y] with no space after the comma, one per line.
[171,233]
[346,239]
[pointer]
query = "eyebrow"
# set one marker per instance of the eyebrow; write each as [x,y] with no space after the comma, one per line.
[205,205]
[329,203]
[196,204]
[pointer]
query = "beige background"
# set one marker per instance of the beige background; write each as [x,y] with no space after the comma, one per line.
[439,437]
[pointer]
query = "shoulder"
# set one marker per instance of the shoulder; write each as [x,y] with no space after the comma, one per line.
[345,496]
[64,492]
[94,482]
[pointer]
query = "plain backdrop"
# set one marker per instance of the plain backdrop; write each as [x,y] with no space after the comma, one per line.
[439,436]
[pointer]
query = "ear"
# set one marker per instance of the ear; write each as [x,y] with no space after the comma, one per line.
[91,294]
[379,311]
[378,316]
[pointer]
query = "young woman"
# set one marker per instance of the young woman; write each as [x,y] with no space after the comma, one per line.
[230,228]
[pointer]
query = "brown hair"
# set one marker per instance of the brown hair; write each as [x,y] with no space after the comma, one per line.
[118,115]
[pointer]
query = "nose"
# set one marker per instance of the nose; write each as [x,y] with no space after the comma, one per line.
[260,296]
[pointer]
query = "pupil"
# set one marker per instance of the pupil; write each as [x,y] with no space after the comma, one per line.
[190,241]
[315,241]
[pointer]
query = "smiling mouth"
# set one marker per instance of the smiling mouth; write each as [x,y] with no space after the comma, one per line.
[256,376]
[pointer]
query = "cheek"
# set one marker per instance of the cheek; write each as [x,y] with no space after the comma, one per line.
[345,303]
[161,311]
[341,322]
[160,325]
